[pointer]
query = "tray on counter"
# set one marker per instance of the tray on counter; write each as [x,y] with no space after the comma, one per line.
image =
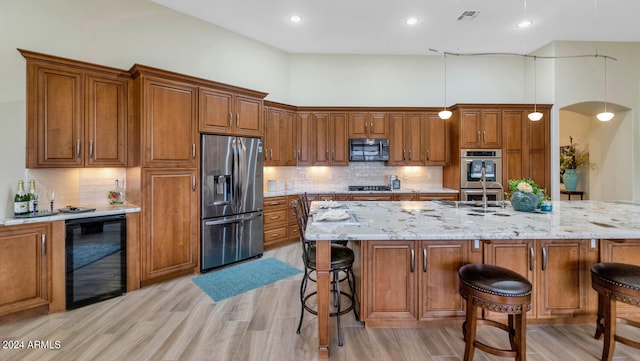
[36,214]
[73,210]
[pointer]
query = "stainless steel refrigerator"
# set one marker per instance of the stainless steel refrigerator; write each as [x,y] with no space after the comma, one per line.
[232,200]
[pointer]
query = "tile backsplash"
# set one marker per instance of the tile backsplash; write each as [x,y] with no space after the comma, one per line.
[89,186]
[364,173]
[76,186]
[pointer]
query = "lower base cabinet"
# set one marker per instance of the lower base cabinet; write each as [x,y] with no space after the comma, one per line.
[24,267]
[559,271]
[409,281]
[170,224]
[406,283]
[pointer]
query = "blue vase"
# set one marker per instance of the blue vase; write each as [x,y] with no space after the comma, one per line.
[570,179]
[524,202]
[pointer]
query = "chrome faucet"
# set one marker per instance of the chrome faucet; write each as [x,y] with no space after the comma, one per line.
[483,180]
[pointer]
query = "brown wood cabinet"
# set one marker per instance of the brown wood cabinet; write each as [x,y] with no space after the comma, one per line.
[557,269]
[169,236]
[480,128]
[280,145]
[280,224]
[621,251]
[409,281]
[389,268]
[304,146]
[436,140]
[405,139]
[368,125]
[525,146]
[227,112]
[163,104]
[76,113]
[372,197]
[329,139]
[438,278]
[276,220]
[25,267]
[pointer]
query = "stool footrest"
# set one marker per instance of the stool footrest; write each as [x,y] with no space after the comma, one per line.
[495,351]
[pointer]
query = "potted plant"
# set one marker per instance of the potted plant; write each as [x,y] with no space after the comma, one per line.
[525,195]
[571,157]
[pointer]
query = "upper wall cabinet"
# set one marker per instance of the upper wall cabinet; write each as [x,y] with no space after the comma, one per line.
[166,134]
[480,128]
[76,113]
[280,133]
[232,113]
[368,125]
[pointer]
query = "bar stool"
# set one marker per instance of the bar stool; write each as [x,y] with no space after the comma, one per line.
[342,259]
[495,289]
[614,282]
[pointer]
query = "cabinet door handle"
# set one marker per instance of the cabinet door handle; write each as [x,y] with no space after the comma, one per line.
[230,120]
[77,148]
[544,258]
[410,154]
[237,120]
[333,155]
[91,149]
[193,151]
[327,154]
[404,155]
[271,153]
[427,154]
[531,258]
[424,260]
[275,217]
[274,203]
[484,136]
[365,127]
[478,135]
[193,183]
[371,127]
[413,259]
[43,239]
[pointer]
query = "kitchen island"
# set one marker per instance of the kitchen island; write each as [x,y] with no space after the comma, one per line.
[410,253]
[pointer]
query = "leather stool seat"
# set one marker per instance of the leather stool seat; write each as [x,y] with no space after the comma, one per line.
[614,282]
[500,290]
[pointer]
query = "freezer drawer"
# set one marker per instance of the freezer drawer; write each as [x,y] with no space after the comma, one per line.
[230,239]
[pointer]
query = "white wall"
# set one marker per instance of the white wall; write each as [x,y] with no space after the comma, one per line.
[120,33]
[116,33]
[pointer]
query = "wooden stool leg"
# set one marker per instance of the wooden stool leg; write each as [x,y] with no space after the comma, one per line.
[599,320]
[470,330]
[520,336]
[609,314]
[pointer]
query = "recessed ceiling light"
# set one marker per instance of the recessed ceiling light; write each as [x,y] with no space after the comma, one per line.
[295,18]
[411,21]
[525,24]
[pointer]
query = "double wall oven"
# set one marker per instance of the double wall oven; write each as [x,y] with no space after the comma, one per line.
[471,188]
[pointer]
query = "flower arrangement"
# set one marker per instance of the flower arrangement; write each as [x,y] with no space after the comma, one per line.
[526,185]
[571,157]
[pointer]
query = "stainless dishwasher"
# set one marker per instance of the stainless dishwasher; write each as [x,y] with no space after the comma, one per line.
[95,259]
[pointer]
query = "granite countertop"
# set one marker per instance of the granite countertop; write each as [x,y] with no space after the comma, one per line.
[345,190]
[100,210]
[442,220]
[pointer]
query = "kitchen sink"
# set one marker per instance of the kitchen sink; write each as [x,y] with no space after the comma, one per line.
[471,204]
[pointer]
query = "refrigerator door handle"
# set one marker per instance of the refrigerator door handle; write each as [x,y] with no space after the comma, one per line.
[235,219]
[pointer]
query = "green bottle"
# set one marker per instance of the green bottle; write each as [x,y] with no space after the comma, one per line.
[21,200]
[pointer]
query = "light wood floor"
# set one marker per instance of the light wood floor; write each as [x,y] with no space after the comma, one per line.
[176,321]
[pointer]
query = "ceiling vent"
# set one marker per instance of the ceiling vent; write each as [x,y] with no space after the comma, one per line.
[468,15]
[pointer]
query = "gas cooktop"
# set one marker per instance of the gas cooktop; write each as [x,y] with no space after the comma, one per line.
[369,188]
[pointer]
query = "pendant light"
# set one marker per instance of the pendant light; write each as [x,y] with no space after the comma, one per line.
[445,114]
[536,115]
[605,116]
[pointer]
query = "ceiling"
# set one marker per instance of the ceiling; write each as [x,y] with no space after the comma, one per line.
[377,26]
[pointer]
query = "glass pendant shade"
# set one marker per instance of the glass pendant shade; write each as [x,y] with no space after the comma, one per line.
[605,116]
[535,116]
[444,114]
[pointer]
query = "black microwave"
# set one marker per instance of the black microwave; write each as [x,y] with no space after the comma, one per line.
[368,150]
